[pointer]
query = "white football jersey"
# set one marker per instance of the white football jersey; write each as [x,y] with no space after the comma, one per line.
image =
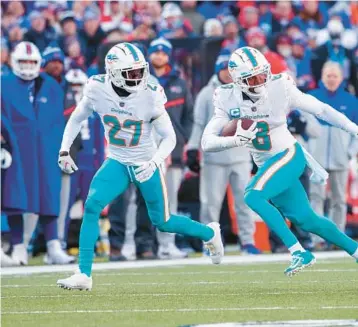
[127,120]
[269,112]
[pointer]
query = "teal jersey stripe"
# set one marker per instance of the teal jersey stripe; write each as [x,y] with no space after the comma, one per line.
[250,56]
[133,52]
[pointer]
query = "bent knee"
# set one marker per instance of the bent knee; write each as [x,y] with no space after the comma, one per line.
[251,197]
[93,206]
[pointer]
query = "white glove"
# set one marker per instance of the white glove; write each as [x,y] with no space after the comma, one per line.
[145,171]
[245,135]
[66,163]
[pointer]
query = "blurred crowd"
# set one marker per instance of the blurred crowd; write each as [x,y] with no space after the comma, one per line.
[315,42]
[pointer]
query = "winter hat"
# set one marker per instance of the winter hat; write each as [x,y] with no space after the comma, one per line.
[160,44]
[52,53]
[222,61]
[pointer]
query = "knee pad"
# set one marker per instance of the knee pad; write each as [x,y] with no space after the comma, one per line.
[93,207]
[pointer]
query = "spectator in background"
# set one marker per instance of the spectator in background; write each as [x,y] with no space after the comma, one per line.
[92,35]
[213,28]
[68,27]
[196,19]
[282,16]
[333,50]
[210,9]
[15,35]
[154,10]
[75,58]
[180,110]
[16,10]
[256,38]
[233,40]
[53,63]
[38,34]
[142,28]
[284,49]
[249,17]
[232,167]
[33,105]
[334,147]
[302,56]
[294,27]
[312,18]
[174,25]
[5,68]
[265,16]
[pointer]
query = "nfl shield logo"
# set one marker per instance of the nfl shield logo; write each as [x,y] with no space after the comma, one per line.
[254,109]
[121,104]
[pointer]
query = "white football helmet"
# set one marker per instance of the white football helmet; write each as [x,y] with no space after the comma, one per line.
[126,67]
[77,78]
[26,61]
[250,70]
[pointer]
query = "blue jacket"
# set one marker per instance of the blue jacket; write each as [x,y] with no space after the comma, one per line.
[37,121]
[180,109]
[335,147]
[305,79]
[13,192]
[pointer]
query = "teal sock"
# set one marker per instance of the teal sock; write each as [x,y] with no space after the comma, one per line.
[88,237]
[329,231]
[186,226]
[271,216]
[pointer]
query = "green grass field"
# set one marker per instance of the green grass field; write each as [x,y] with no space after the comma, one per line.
[176,296]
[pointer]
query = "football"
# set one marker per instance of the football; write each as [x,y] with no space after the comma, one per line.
[230,128]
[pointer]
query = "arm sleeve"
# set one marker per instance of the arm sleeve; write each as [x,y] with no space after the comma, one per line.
[83,110]
[211,141]
[310,104]
[164,129]
[200,118]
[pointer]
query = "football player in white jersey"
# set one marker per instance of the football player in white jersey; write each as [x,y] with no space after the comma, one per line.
[275,192]
[129,107]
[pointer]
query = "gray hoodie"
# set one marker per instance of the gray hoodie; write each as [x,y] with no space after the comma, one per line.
[203,111]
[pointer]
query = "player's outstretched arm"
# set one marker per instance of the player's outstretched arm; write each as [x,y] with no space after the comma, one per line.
[211,140]
[322,110]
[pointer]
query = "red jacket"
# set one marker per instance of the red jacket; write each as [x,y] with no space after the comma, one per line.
[278,64]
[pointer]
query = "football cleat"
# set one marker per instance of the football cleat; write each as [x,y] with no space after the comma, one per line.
[77,281]
[299,261]
[215,246]
[171,252]
[19,255]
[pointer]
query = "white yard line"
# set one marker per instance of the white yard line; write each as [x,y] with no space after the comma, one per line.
[287,281]
[123,295]
[239,260]
[175,310]
[183,273]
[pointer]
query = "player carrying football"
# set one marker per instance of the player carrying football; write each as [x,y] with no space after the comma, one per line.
[275,191]
[129,107]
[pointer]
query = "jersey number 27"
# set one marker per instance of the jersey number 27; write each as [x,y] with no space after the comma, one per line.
[116,127]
